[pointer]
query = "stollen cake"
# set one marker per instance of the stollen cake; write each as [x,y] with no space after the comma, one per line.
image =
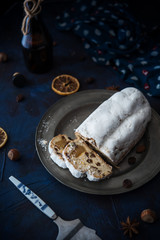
[117,124]
[55,148]
[82,161]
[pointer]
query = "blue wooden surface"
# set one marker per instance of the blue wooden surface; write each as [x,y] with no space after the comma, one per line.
[19,219]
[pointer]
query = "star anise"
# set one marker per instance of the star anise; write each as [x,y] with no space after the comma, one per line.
[130,227]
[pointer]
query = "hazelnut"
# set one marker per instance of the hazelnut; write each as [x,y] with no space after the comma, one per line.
[3,57]
[148,216]
[13,154]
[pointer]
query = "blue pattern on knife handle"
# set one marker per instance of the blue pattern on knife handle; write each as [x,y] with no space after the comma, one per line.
[38,202]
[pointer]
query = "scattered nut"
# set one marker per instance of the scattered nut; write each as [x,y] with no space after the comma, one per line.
[141,148]
[127,183]
[19,98]
[131,160]
[148,216]
[13,154]
[18,79]
[3,57]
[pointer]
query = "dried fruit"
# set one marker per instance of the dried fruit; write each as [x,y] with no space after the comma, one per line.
[19,98]
[131,160]
[65,84]
[13,154]
[127,183]
[148,216]
[18,80]
[141,148]
[130,227]
[3,57]
[3,137]
[89,160]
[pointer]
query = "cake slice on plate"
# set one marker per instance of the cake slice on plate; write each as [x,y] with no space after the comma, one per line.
[82,161]
[55,148]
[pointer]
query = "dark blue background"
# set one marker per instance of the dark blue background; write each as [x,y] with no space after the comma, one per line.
[19,219]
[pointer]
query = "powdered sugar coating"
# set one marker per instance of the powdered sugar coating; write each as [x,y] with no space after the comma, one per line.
[73,171]
[56,158]
[117,124]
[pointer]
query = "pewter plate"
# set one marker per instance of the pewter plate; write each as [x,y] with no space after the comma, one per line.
[66,115]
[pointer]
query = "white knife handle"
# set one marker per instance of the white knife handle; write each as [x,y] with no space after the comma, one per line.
[37,201]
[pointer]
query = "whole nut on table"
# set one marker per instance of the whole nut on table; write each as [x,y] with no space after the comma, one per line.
[13,154]
[148,216]
[3,57]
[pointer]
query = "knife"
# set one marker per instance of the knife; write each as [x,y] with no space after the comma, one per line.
[73,230]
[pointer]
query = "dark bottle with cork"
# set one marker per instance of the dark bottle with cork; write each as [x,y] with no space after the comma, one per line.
[36,42]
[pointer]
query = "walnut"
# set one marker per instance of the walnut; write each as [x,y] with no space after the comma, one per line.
[13,154]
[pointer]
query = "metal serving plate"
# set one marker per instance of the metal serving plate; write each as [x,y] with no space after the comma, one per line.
[66,115]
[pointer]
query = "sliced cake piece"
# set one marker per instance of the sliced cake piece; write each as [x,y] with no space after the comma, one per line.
[117,124]
[83,161]
[55,148]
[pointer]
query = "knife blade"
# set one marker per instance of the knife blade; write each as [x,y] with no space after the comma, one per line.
[73,229]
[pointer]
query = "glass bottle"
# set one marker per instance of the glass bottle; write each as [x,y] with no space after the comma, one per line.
[37,46]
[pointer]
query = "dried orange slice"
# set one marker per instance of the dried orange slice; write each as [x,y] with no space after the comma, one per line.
[65,84]
[3,137]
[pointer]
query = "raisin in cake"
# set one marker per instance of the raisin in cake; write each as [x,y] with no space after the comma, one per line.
[117,124]
[83,161]
[55,148]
